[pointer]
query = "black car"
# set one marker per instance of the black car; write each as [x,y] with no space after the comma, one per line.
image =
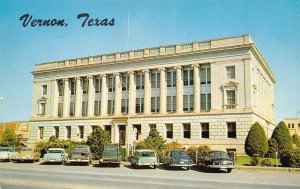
[217,160]
[178,158]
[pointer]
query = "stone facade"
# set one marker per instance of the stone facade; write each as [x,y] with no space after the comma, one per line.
[293,124]
[207,92]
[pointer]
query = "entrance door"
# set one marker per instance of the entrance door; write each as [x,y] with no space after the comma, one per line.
[122,133]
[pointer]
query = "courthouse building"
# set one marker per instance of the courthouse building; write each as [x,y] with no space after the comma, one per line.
[207,92]
[293,124]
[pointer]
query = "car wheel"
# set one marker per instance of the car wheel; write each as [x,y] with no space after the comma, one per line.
[154,166]
[229,170]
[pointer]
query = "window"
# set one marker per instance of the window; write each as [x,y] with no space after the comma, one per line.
[93,127]
[125,82]
[155,104]
[110,107]
[80,131]
[97,85]
[84,108]
[293,125]
[137,129]
[298,125]
[85,85]
[124,108]
[60,109]
[171,103]
[73,87]
[41,132]
[72,109]
[231,130]
[107,128]
[231,99]
[111,84]
[155,80]
[205,102]
[152,127]
[205,75]
[139,106]
[44,89]
[171,78]
[60,88]
[205,130]
[68,132]
[230,70]
[43,108]
[139,81]
[188,102]
[188,77]
[56,131]
[169,128]
[186,130]
[97,107]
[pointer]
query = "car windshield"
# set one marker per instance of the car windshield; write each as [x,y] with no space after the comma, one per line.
[218,154]
[179,153]
[55,151]
[26,149]
[145,154]
[7,149]
[110,151]
[80,150]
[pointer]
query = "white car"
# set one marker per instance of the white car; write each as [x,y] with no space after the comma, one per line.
[8,153]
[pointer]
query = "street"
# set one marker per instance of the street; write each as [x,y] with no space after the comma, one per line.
[36,175]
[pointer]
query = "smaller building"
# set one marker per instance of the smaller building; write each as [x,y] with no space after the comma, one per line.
[21,128]
[293,125]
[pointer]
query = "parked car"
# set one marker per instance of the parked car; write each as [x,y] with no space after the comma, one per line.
[111,155]
[217,160]
[178,158]
[8,153]
[55,155]
[28,154]
[81,154]
[144,157]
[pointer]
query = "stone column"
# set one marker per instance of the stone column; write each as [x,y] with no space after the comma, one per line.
[147,93]
[55,98]
[132,93]
[118,95]
[66,103]
[91,96]
[163,90]
[179,92]
[103,95]
[78,97]
[196,88]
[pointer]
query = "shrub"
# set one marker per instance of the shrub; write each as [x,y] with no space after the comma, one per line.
[282,136]
[296,140]
[123,153]
[254,160]
[290,158]
[9,138]
[96,140]
[192,153]
[272,148]
[256,141]
[203,150]
[266,163]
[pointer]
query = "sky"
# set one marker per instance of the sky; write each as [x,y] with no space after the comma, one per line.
[273,25]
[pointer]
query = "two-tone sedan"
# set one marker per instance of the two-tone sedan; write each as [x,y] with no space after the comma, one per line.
[144,157]
[178,158]
[8,153]
[55,155]
[28,155]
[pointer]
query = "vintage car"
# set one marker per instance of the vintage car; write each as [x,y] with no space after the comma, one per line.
[216,160]
[111,155]
[7,153]
[55,155]
[178,158]
[81,154]
[144,157]
[28,154]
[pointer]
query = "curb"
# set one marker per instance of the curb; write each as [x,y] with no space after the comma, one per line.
[257,168]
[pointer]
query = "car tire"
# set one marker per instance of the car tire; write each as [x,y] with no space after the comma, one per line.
[229,170]
[154,166]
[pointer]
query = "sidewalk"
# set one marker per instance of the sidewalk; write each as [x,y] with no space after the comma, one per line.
[288,169]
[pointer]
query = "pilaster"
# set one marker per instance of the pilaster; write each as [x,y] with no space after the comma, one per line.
[91,96]
[78,97]
[66,103]
[118,88]
[132,93]
[163,89]
[147,91]
[179,91]
[103,95]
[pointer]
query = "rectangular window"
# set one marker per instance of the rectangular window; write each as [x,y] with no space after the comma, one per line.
[171,103]
[231,130]
[188,102]
[138,130]
[85,85]
[93,127]
[186,130]
[56,131]
[80,131]
[230,70]
[84,108]
[111,84]
[205,100]
[43,108]
[60,109]
[155,102]
[152,126]
[298,125]
[139,81]
[139,106]
[73,87]
[97,107]
[205,75]
[124,108]
[231,99]
[107,128]
[44,89]
[110,107]
[169,129]
[60,88]
[205,130]
[125,82]
[97,85]
[72,109]
[188,77]
[171,78]
[68,132]
[41,132]
[155,80]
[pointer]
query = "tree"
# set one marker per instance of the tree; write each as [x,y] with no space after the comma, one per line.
[282,136]
[9,138]
[97,139]
[256,141]
[154,141]
[272,148]
[296,140]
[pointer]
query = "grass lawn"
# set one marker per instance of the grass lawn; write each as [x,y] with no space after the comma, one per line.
[246,160]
